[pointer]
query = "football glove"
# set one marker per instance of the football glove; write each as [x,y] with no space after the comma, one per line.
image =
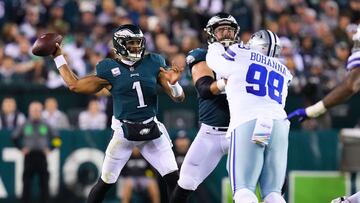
[310,112]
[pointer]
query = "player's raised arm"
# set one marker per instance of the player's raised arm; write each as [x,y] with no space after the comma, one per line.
[87,85]
[343,92]
[169,81]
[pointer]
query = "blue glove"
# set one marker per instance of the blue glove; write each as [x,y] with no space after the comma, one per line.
[301,113]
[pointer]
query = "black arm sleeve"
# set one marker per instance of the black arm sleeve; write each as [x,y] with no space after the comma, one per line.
[202,86]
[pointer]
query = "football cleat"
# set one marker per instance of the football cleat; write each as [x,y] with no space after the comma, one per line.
[339,200]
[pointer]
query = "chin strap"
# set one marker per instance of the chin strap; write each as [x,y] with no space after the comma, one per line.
[127,62]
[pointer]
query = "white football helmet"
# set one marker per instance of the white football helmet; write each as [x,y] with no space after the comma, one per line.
[266,42]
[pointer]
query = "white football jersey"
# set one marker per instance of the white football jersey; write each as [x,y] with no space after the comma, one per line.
[257,85]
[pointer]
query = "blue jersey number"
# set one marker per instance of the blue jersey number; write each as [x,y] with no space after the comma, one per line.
[257,75]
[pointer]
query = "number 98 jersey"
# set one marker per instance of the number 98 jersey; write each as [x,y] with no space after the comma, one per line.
[257,85]
[134,88]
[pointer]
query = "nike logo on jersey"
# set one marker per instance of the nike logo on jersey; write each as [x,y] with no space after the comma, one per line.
[115,71]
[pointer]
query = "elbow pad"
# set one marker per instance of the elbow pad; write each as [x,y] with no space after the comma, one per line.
[202,86]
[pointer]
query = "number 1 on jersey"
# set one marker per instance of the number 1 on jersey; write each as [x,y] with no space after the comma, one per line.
[137,87]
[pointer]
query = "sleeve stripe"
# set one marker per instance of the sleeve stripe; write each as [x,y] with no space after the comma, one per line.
[270,43]
[352,60]
[354,56]
[354,65]
[230,52]
[227,57]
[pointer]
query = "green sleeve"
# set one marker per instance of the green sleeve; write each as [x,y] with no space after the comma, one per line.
[103,71]
[195,56]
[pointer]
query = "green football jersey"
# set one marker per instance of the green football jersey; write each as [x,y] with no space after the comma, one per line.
[133,87]
[212,111]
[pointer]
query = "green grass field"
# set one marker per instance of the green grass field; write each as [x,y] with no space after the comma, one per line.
[307,187]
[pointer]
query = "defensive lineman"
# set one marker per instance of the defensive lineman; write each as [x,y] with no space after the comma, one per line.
[210,144]
[256,91]
[132,78]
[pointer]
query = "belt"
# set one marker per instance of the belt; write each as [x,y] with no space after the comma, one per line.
[142,122]
[221,129]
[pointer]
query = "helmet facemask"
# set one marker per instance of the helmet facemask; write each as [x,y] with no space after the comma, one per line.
[135,48]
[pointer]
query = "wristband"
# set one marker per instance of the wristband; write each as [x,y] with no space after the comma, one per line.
[176,90]
[60,61]
[315,110]
[221,84]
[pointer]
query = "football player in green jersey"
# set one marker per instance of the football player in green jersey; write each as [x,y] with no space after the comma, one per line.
[131,77]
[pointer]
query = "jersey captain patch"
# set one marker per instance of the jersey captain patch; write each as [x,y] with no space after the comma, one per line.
[115,71]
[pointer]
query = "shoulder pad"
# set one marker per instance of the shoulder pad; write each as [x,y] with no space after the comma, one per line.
[195,56]
[103,63]
[104,67]
[157,58]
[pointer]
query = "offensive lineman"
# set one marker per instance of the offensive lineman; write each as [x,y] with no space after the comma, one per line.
[210,144]
[340,94]
[256,90]
[132,79]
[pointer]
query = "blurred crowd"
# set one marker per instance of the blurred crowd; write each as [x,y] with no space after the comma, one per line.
[91,118]
[315,34]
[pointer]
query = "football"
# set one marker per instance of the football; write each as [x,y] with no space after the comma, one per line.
[45,45]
